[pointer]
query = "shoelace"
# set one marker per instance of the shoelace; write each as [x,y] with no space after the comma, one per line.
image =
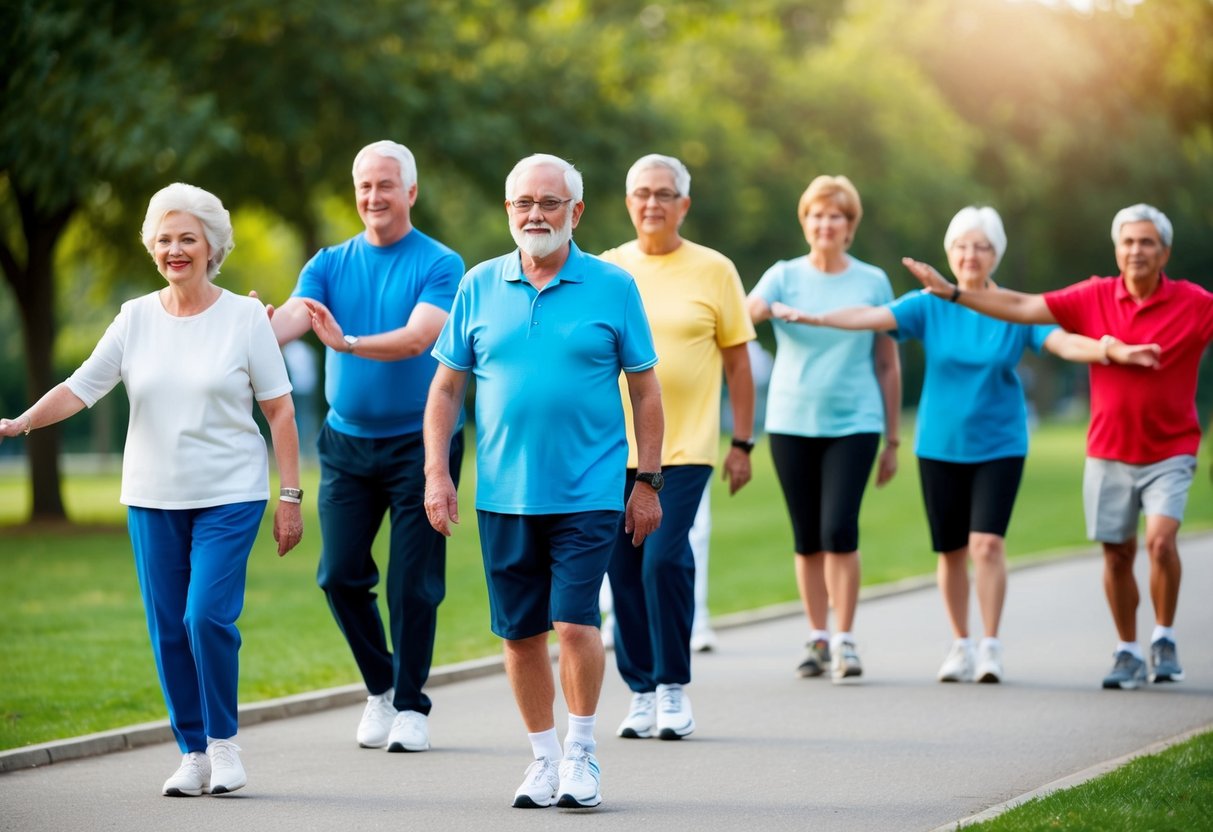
[671,700]
[223,753]
[537,772]
[580,758]
[192,763]
[379,706]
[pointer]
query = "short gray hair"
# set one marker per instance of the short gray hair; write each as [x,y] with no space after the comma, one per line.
[682,176]
[389,149]
[203,206]
[978,218]
[1143,213]
[572,176]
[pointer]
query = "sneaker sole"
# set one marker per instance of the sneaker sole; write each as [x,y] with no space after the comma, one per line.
[228,789]
[362,744]
[567,801]
[1132,684]
[809,672]
[525,801]
[989,679]
[1167,677]
[175,792]
[397,747]
[633,734]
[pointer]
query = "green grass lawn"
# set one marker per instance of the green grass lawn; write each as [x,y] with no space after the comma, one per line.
[75,655]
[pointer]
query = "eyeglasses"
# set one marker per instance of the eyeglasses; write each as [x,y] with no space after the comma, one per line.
[975,248]
[547,205]
[663,196]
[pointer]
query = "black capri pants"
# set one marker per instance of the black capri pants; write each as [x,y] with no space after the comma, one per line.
[964,497]
[823,479]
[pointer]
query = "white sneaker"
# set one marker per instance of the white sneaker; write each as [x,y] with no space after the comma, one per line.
[845,662]
[641,720]
[579,779]
[703,639]
[958,664]
[674,717]
[192,778]
[227,772]
[538,789]
[410,732]
[377,719]
[989,663]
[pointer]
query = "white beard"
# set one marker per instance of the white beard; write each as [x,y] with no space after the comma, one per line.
[542,246]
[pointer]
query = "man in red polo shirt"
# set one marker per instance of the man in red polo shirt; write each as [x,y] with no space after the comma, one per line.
[1144,434]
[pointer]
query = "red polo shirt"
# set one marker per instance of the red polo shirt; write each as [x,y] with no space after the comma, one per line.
[1140,416]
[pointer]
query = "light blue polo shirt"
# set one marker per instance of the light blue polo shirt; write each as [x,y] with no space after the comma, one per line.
[972,407]
[824,380]
[550,436]
[372,289]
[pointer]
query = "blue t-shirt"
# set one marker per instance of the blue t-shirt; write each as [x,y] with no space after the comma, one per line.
[550,436]
[824,380]
[372,289]
[972,407]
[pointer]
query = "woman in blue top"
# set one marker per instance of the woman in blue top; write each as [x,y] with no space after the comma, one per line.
[831,396]
[972,424]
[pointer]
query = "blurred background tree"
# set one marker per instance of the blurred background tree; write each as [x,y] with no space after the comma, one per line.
[1057,114]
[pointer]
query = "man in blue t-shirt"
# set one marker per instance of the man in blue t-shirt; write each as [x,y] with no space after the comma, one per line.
[546,331]
[377,302]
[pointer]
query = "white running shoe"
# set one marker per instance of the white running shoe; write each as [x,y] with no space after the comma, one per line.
[989,663]
[958,664]
[192,777]
[538,789]
[641,720]
[227,772]
[580,779]
[845,663]
[674,717]
[703,639]
[410,732]
[377,719]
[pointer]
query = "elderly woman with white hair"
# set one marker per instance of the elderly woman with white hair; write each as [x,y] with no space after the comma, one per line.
[971,436]
[195,478]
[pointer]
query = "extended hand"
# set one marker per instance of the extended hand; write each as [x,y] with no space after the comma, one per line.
[1136,355]
[931,280]
[325,326]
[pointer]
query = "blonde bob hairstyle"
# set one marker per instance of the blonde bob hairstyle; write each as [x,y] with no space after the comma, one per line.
[203,206]
[840,192]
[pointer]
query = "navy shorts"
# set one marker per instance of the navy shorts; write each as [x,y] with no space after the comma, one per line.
[823,480]
[545,567]
[964,497]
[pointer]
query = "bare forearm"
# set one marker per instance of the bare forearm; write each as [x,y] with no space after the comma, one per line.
[740,380]
[888,376]
[285,436]
[57,404]
[290,321]
[441,413]
[1008,305]
[875,318]
[645,394]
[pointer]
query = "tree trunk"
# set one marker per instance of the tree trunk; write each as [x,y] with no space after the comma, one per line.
[35,290]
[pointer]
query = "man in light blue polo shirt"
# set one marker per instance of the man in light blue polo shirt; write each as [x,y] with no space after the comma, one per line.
[546,331]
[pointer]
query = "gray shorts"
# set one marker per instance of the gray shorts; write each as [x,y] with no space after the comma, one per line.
[1114,494]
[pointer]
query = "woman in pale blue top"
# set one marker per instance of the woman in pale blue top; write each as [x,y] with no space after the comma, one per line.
[971,437]
[831,396]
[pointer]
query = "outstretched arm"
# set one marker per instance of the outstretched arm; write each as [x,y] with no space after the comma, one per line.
[876,318]
[56,405]
[1004,304]
[1083,350]
[412,339]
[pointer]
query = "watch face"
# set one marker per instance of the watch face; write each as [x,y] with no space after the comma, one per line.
[656,480]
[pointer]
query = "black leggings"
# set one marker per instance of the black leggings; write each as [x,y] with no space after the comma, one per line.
[963,497]
[823,478]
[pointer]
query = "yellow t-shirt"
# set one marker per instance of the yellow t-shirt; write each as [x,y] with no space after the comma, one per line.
[696,306]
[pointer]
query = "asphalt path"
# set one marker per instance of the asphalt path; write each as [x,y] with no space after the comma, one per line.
[896,751]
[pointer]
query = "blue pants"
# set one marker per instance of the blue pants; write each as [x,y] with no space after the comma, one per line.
[360,481]
[654,587]
[191,565]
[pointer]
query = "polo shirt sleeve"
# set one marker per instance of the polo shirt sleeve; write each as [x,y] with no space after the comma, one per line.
[910,313]
[1071,307]
[1205,311]
[442,281]
[1037,333]
[636,350]
[733,327]
[313,280]
[453,347]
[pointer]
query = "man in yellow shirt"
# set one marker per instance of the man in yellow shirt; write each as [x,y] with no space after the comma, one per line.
[696,308]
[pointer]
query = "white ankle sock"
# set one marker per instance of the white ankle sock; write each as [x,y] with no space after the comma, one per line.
[545,744]
[581,730]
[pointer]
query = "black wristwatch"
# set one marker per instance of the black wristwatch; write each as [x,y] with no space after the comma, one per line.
[653,479]
[746,445]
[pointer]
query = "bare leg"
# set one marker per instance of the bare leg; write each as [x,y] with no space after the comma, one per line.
[811,581]
[529,668]
[989,553]
[842,578]
[952,575]
[582,664]
[1121,587]
[1165,568]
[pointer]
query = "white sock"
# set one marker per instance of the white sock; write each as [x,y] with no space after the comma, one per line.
[1162,632]
[819,635]
[1132,647]
[581,730]
[839,638]
[991,643]
[965,642]
[545,744]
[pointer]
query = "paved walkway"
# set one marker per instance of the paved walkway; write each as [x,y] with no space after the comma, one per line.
[898,751]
